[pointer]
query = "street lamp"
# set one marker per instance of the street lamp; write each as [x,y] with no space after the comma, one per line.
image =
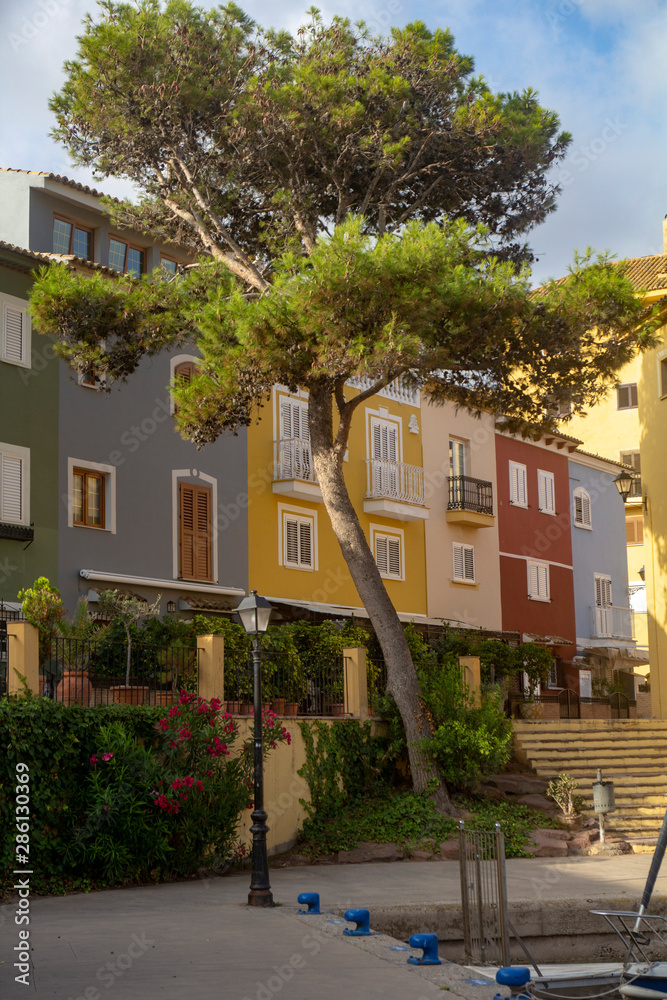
[254,613]
[624,481]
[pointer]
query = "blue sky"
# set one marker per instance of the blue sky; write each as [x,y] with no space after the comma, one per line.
[598,63]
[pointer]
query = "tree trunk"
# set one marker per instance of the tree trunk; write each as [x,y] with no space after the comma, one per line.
[402,682]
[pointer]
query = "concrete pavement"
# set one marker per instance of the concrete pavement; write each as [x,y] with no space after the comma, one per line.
[195,940]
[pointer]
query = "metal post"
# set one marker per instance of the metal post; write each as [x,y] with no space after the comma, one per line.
[465,904]
[260,890]
[503,914]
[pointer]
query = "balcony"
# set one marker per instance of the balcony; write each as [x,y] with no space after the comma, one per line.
[470,502]
[395,489]
[20,532]
[293,474]
[612,622]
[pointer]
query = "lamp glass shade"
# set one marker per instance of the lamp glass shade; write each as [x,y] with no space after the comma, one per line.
[624,483]
[254,612]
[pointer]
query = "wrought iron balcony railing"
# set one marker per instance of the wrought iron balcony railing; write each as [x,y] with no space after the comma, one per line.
[388,480]
[293,460]
[612,622]
[466,493]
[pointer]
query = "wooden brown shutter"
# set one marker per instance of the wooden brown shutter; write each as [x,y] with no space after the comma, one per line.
[183,374]
[194,514]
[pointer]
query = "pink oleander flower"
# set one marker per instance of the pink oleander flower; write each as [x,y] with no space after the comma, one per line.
[216,704]
[188,781]
[163,724]
[177,783]
[200,785]
[208,773]
[94,760]
[184,733]
[107,756]
[174,710]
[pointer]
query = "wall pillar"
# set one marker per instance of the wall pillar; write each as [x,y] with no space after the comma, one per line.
[22,657]
[356,683]
[472,676]
[211,666]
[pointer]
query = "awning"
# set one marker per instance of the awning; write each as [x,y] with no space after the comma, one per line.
[546,640]
[617,655]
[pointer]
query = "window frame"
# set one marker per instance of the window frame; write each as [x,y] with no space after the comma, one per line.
[390,534]
[87,474]
[539,565]
[13,302]
[464,547]
[128,246]
[382,418]
[577,493]
[108,473]
[662,374]
[288,512]
[464,446]
[172,260]
[630,386]
[544,476]
[523,469]
[16,451]
[75,225]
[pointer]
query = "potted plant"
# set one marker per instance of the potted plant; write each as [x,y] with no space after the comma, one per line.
[127,610]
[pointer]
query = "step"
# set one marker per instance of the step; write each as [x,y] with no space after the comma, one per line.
[606,742]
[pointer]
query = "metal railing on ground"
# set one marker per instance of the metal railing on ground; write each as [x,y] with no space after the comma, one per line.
[291,684]
[484,896]
[96,672]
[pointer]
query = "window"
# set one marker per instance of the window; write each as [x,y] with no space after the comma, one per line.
[545,492]
[662,376]
[633,458]
[582,508]
[457,458]
[294,457]
[626,396]
[602,591]
[463,562]
[168,265]
[14,484]
[634,530]
[125,257]
[388,552]
[298,540]
[15,333]
[91,497]
[384,440]
[538,581]
[518,489]
[71,238]
[552,679]
[88,498]
[194,521]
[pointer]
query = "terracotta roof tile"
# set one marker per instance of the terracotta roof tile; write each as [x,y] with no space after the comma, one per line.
[62,179]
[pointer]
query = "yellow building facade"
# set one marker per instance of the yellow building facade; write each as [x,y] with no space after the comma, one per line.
[294,556]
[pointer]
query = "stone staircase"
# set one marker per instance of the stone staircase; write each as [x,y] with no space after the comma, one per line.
[631,752]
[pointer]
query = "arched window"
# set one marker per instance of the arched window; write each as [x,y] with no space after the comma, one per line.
[582,508]
[182,370]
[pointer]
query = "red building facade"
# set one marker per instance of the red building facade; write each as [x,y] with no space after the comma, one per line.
[536,576]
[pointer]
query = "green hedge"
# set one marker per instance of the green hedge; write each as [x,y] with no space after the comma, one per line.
[56,742]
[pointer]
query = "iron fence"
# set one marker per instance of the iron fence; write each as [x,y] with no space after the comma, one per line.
[3,658]
[291,684]
[376,680]
[98,672]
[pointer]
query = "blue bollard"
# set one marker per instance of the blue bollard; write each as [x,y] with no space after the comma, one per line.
[312,900]
[429,945]
[514,977]
[362,919]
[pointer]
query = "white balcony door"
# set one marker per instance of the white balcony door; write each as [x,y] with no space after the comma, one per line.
[603,603]
[384,445]
[585,684]
[457,458]
[295,458]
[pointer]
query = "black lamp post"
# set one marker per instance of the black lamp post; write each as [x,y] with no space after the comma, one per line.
[255,612]
[624,481]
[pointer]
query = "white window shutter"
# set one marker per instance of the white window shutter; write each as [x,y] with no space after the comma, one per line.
[381,555]
[458,561]
[304,428]
[291,541]
[542,581]
[607,592]
[394,554]
[285,419]
[11,488]
[578,508]
[392,444]
[533,580]
[305,543]
[469,562]
[586,509]
[598,592]
[14,326]
[542,491]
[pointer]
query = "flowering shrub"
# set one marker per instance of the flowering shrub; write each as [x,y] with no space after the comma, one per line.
[206,779]
[173,805]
